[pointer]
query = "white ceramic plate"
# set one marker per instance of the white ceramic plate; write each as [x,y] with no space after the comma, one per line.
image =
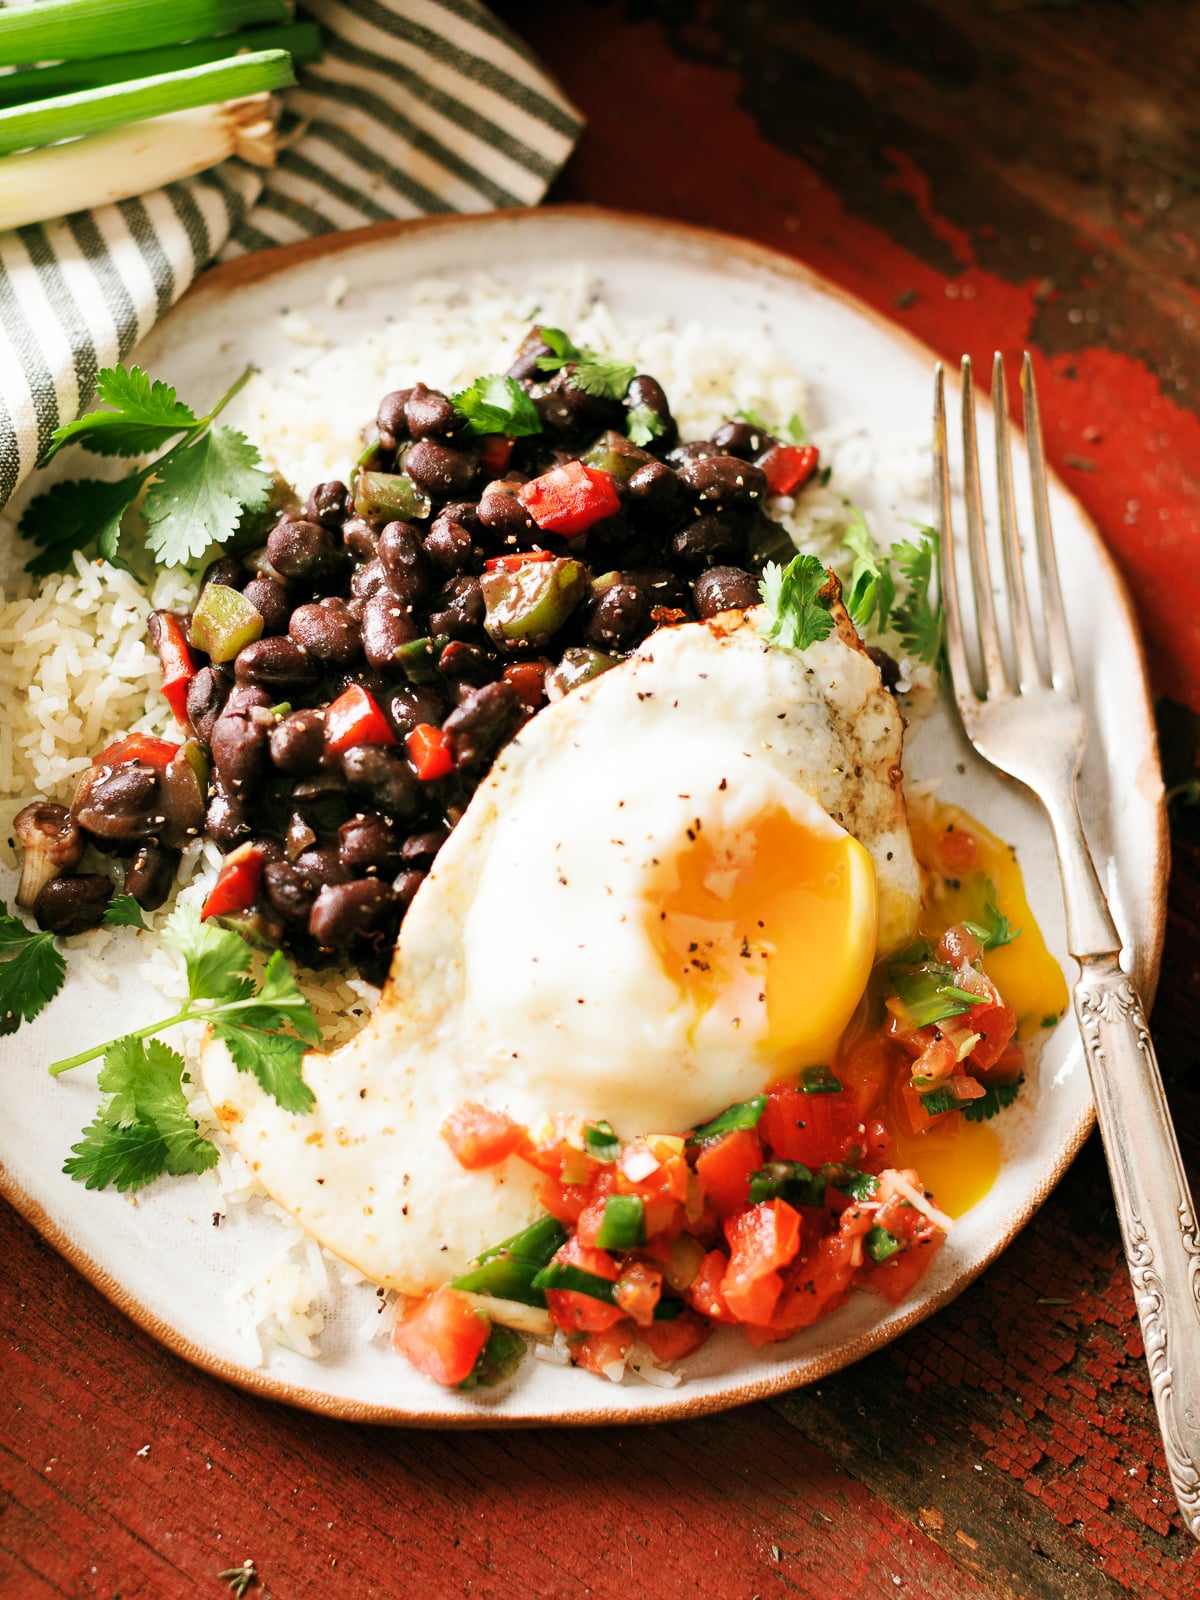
[163,1262]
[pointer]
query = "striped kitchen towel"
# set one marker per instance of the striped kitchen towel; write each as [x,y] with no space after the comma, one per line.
[418,106]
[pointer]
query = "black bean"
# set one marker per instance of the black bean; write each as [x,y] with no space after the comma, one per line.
[415,703]
[457,609]
[720,483]
[149,876]
[118,802]
[297,743]
[441,471]
[569,412]
[693,450]
[530,351]
[460,663]
[713,541]
[323,801]
[72,904]
[224,570]
[368,580]
[368,844]
[405,886]
[385,777]
[226,821]
[647,391]
[742,439]
[359,538]
[239,750]
[304,549]
[270,600]
[329,504]
[724,589]
[386,625]
[503,516]
[321,865]
[482,723]
[889,667]
[431,415]
[405,565]
[327,631]
[277,663]
[656,496]
[289,890]
[615,542]
[206,695]
[248,697]
[419,848]
[390,416]
[449,544]
[619,617]
[662,587]
[344,910]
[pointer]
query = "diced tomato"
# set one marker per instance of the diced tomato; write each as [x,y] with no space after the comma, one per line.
[894,1279]
[811,1128]
[429,752]
[570,498]
[762,1239]
[480,1137]
[819,1280]
[171,642]
[442,1336]
[789,466]
[956,851]
[936,1062]
[638,1291]
[724,1168]
[238,883]
[705,1292]
[995,1024]
[355,718]
[566,1201]
[604,1348]
[514,563]
[675,1338]
[495,452]
[145,747]
[581,1313]
[528,678]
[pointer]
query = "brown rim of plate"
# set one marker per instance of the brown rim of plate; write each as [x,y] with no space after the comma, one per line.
[255,267]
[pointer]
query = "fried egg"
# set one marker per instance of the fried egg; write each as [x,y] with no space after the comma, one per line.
[669,892]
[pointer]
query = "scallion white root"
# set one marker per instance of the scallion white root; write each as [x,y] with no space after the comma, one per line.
[132,160]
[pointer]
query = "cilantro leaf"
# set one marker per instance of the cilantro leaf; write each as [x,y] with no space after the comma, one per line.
[70,516]
[31,971]
[273,1058]
[562,346]
[795,430]
[747,414]
[144,416]
[994,929]
[997,1099]
[872,588]
[198,493]
[279,1002]
[644,425]
[798,614]
[494,404]
[123,911]
[145,1128]
[916,620]
[602,377]
[217,959]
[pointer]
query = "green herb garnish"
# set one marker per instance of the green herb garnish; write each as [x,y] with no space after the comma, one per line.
[123,911]
[997,1099]
[993,929]
[872,588]
[494,404]
[595,374]
[797,611]
[32,970]
[918,623]
[929,992]
[644,426]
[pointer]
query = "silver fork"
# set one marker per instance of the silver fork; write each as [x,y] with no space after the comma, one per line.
[1028,721]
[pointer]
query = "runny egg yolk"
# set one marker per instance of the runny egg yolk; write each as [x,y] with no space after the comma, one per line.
[769,930]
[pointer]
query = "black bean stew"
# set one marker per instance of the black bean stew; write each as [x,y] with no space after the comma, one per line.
[344,688]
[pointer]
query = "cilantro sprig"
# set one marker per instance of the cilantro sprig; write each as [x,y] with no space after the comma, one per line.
[878,577]
[996,1099]
[597,375]
[248,1018]
[918,623]
[32,970]
[195,494]
[797,613]
[494,404]
[872,587]
[993,928]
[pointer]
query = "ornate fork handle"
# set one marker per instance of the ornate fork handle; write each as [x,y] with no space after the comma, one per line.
[1154,1207]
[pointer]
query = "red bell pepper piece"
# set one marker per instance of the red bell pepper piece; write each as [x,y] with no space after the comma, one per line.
[789,466]
[355,718]
[238,883]
[514,563]
[429,752]
[569,498]
[495,452]
[145,747]
[178,668]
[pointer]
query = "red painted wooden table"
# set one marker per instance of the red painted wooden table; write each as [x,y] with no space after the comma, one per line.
[998,175]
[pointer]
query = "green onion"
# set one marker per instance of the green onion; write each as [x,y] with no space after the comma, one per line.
[224,622]
[787,1180]
[559,1275]
[928,992]
[75,116]
[623,1225]
[537,1243]
[507,1271]
[819,1080]
[389,494]
[600,1142]
[73,30]
[301,40]
[744,1115]
[499,1359]
[880,1245]
[849,1181]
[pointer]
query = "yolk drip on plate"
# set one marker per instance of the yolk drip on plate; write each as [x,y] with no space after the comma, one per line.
[958,1160]
[779,918]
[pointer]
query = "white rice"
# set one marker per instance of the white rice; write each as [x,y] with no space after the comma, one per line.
[77,668]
